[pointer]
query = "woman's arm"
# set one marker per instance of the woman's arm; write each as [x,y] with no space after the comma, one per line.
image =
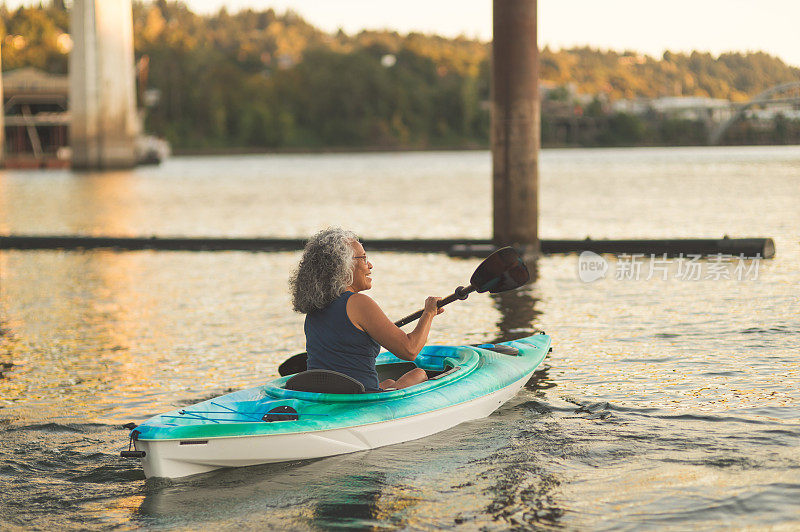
[368,316]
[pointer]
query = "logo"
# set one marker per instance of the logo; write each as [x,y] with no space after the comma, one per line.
[591,267]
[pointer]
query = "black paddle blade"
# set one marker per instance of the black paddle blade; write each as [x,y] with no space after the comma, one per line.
[502,270]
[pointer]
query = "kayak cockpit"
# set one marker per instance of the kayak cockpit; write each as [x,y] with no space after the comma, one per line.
[444,364]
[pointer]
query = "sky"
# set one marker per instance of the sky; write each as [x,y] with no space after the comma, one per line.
[714,26]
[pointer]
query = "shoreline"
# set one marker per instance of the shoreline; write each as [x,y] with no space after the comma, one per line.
[331,149]
[211,152]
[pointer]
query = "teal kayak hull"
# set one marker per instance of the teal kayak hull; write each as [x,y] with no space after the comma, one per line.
[231,431]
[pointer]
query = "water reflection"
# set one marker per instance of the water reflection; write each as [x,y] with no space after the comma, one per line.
[78,323]
[518,312]
[526,495]
[111,199]
[340,491]
[352,500]
[8,346]
[11,349]
[540,381]
[74,339]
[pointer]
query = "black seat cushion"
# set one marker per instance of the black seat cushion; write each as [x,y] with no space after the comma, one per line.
[323,381]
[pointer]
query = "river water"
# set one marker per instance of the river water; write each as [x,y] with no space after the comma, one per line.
[671,399]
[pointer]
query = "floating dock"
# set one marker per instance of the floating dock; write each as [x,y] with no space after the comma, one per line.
[459,247]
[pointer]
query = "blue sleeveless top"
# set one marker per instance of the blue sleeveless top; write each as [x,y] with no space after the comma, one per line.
[334,343]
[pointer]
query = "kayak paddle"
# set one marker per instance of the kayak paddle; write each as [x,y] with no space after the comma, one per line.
[501,271]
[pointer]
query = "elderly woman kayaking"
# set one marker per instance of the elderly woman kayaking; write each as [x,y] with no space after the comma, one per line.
[344,327]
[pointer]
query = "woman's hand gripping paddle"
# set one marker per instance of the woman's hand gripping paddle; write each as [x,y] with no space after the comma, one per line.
[501,271]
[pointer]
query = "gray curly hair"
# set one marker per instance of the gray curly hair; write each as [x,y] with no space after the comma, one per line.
[325,270]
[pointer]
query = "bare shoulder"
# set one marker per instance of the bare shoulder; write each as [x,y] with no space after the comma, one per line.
[361,303]
[361,300]
[361,309]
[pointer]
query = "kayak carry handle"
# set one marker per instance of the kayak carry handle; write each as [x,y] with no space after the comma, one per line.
[132,454]
[281,413]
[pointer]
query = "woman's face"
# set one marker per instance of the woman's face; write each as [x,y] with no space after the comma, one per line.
[361,270]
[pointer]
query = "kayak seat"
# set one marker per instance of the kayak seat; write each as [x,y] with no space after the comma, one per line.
[323,381]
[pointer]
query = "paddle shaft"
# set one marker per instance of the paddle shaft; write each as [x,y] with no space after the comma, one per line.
[462,292]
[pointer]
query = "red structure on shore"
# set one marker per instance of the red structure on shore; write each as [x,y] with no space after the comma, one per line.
[36,119]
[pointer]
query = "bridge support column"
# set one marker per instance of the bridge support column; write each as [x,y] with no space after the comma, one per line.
[2,114]
[515,124]
[102,93]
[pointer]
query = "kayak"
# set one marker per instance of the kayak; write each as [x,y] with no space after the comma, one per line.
[271,423]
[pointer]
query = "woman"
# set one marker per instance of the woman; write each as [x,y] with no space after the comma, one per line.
[344,327]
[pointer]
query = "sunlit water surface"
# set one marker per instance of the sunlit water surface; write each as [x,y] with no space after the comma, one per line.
[664,404]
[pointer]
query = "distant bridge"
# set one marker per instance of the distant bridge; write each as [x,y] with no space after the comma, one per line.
[765,97]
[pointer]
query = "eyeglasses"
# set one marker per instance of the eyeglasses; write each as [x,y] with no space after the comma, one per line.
[361,257]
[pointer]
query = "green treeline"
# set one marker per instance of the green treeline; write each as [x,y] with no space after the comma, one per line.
[731,76]
[264,80]
[258,79]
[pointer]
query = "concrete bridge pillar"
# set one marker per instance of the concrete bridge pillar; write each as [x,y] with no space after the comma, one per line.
[515,124]
[102,100]
[2,113]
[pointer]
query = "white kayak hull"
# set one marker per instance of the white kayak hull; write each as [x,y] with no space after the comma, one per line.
[180,458]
